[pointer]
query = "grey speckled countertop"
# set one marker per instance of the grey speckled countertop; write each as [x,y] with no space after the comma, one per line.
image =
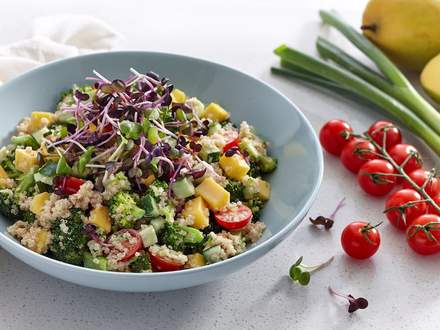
[403,289]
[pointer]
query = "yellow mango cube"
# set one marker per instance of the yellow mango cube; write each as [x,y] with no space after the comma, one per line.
[214,195]
[178,96]
[215,112]
[195,260]
[38,202]
[41,119]
[197,210]
[3,174]
[42,238]
[99,217]
[149,180]
[235,166]
[25,159]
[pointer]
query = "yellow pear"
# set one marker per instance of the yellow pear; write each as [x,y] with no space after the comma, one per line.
[430,78]
[408,31]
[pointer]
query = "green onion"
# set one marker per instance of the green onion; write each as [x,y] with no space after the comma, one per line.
[364,89]
[85,158]
[401,87]
[26,141]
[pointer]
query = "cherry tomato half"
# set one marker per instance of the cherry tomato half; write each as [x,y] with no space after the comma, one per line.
[334,136]
[400,152]
[403,207]
[125,243]
[67,185]
[373,178]
[360,240]
[235,217]
[420,176]
[162,264]
[356,153]
[423,236]
[382,128]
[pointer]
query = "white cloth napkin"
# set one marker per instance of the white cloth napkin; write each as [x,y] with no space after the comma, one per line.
[55,37]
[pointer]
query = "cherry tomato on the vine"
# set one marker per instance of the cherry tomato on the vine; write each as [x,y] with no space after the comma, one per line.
[424,234]
[403,207]
[420,176]
[360,240]
[401,152]
[382,128]
[376,177]
[356,153]
[334,135]
[432,209]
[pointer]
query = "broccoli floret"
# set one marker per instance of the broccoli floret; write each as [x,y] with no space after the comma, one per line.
[256,148]
[256,205]
[9,207]
[140,264]
[8,204]
[267,164]
[157,188]
[68,240]
[181,238]
[27,216]
[255,170]
[235,189]
[124,211]
[118,180]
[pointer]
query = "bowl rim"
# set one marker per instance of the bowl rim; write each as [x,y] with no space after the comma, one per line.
[12,243]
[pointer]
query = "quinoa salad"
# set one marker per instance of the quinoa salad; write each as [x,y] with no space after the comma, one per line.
[134,176]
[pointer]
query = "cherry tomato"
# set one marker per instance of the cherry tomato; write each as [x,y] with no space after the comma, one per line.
[163,264]
[424,234]
[235,217]
[382,128]
[371,180]
[334,136]
[67,185]
[399,212]
[400,152]
[360,240]
[432,209]
[125,244]
[356,153]
[233,141]
[420,176]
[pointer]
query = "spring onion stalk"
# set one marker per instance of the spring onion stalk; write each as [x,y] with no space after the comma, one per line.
[329,51]
[363,89]
[318,81]
[407,93]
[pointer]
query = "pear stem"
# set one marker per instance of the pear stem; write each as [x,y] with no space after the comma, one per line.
[369,27]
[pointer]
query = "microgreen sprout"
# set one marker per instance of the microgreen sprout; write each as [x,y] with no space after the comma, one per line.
[354,303]
[327,222]
[301,273]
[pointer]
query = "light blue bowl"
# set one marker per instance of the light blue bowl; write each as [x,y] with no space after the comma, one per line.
[293,141]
